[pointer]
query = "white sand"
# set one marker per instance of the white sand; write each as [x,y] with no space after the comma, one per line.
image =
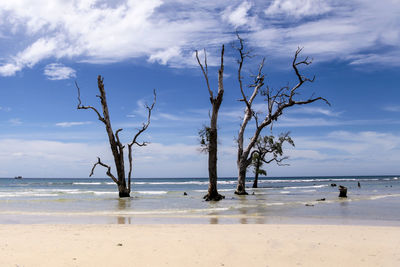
[199,245]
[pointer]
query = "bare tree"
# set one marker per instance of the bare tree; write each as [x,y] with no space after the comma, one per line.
[268,150]
[117,149]
[209,134]
[277,101]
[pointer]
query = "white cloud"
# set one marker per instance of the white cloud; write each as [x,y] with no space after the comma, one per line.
[15,121]
[170,117]
[42,158]
[166,55]
[237,16]
[346,32]
[392,108]
[376,59]
[9,69]
[57,71]
[298,8]
[343,153]
[336,153]
[288,121]
[41,49]
[167,32]
[364,146]
[72,123]
[314,111]
[6,109]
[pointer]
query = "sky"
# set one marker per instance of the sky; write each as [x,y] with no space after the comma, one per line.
[138,46]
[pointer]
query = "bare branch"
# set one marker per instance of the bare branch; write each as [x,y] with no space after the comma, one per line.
[119,144]
[302,79]
[277,160]
[108,170]
[146,124]
[134,142]
[242,55]
[277,101]
[221,77]
[312,100]
[205,72]
[80,106]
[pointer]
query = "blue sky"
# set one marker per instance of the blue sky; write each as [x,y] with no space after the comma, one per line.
[139,46]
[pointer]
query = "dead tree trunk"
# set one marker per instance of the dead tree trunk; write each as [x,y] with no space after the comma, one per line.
[212,145]
[342,191]
[116,146]
[257,170]
[277,101]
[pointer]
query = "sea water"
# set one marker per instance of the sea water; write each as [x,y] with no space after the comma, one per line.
[162,200]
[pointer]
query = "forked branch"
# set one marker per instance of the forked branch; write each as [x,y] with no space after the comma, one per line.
[140,131]
[80,106]
[205,72]
[109,174]
[146,124]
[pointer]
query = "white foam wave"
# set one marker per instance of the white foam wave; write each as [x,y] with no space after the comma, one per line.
[170,183]
[152,192]
[383,196]
[184,183]
[305,187]
[308,191]
[105,193]
[275,204]
[317,180]
[88,183]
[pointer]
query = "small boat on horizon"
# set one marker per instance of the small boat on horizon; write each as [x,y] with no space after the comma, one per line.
[18,177]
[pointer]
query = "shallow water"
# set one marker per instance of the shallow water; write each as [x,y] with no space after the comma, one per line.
[278,200]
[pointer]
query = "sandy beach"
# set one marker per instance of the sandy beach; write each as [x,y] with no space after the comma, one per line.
[199,245]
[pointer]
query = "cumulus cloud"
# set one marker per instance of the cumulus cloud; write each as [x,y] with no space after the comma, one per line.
[44,158]
[167,32]
[336,153]
[343,153]
[9,69]
[165,56]
[237,16]
[41,49]
[57,71]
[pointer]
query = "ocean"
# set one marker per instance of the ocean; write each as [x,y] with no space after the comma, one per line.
[162,200]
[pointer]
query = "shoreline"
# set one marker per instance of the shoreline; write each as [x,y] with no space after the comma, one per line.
[199,245]
[285,201]
[40,219]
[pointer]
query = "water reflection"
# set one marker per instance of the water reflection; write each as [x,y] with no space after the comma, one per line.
[123,205]
[344,207]
[214,220]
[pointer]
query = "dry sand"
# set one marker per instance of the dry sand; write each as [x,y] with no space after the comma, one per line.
[199,245]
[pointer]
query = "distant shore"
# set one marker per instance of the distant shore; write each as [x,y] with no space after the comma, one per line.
[199,245]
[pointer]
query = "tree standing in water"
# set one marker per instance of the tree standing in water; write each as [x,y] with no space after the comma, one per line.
[209,135]
[117,149]
[268,146]
[277,101]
